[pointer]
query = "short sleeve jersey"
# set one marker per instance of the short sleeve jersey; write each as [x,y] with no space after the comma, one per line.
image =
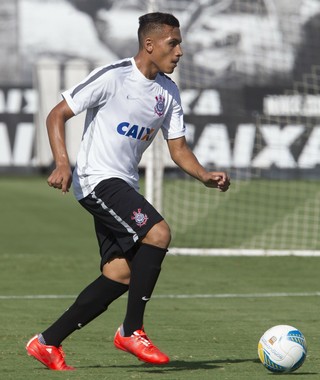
[125,110]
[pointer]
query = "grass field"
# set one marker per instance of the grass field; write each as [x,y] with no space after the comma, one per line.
[207,313]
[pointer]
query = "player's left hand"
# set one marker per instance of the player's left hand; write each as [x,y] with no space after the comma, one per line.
[218,180]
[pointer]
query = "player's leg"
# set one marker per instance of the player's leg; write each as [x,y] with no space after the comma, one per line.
[136,225]
[131,337]
[97,296]
[159,235]
[145,270]
[90,303]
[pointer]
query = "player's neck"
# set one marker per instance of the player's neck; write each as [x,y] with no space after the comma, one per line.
[146,67]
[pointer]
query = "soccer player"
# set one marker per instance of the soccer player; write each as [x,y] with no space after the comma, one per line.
[126,103]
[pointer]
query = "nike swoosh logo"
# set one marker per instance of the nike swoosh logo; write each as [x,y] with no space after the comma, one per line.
[144,298]
[130,97]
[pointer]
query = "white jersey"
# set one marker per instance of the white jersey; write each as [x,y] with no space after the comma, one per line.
[125,110]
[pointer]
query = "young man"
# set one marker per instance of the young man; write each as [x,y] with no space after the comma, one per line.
[126,103]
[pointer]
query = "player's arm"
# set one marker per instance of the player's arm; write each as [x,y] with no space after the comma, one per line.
[183,156]
[61,176]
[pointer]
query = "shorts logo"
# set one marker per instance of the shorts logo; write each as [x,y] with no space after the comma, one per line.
[139,218]
[159,107]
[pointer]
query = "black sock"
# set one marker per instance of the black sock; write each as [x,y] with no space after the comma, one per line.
[145,270]
[91,302]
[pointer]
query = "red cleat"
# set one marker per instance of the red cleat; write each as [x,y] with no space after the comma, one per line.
[140,345]
[51,356]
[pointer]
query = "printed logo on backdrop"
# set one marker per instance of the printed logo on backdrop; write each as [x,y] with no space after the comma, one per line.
[243,142]
[239,143]
[215,137]
[17,131]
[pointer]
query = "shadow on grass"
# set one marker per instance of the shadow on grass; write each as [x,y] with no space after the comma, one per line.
[181,365]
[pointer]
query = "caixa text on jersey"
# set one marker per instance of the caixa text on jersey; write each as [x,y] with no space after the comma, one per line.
[134,131]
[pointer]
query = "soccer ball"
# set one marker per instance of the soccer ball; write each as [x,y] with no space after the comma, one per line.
[282,349]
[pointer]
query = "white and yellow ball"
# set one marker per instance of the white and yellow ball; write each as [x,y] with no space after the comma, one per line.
[282,348]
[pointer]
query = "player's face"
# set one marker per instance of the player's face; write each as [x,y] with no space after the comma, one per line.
[167,49]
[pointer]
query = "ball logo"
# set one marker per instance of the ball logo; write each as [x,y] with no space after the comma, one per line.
[159,107]
[272,340]
[139,218]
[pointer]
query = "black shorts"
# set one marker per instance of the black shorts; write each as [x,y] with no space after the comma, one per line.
[122,217]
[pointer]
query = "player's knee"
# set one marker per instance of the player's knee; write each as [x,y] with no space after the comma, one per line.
[117,270]
[159,235]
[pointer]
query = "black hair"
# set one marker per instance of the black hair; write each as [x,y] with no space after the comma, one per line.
[152,21]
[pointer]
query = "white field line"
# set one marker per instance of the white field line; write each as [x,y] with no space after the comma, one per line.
[171,296]
[242,252]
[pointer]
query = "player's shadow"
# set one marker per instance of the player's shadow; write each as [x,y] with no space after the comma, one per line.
[172,366]
[182,365]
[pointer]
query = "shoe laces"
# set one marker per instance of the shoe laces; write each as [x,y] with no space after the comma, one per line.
[142,337]
[61,361]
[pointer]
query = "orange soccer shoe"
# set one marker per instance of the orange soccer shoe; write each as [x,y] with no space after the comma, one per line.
[51,356]
[140,345]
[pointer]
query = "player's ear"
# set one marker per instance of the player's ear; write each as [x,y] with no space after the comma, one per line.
[148,44]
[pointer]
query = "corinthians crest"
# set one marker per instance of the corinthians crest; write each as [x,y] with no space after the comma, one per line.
[159,107]
[139,218]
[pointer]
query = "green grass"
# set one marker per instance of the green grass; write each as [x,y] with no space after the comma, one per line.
[48,247]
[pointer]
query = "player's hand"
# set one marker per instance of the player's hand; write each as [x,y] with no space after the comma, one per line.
[218,180]
[61,178]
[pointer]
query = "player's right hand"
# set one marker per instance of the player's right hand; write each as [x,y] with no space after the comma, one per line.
[61,178]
